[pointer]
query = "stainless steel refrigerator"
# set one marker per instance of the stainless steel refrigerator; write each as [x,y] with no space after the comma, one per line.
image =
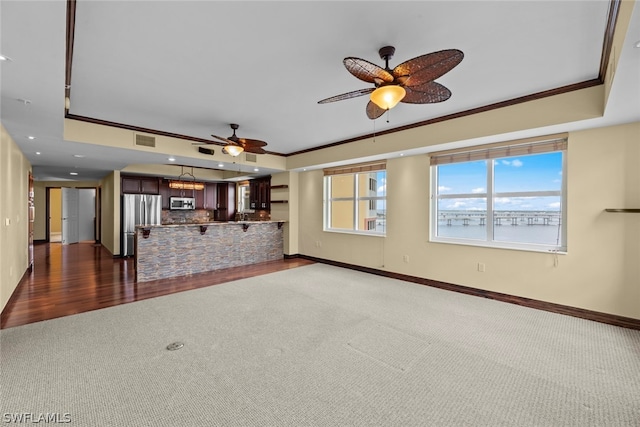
[138,209]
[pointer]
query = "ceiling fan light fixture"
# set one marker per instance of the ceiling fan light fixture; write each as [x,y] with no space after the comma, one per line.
[233,150]
[387,97]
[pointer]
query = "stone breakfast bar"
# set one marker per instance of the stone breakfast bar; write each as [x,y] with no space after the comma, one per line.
[164,251]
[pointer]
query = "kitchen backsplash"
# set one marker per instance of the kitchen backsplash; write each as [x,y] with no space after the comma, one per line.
[204,215]
[186,217]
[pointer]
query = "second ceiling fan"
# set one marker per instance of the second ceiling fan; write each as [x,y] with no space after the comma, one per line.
[411,82]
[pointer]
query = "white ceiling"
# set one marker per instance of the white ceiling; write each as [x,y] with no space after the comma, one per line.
[191,68]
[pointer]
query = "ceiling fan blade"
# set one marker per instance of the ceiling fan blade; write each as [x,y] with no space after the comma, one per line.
[228,141]
[251,142]
[348,95]
[429,67]
[366,71]
[428,93]
[373,111]
[255,150]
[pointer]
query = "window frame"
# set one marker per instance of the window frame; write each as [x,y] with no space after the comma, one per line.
[355,199]
[489,195]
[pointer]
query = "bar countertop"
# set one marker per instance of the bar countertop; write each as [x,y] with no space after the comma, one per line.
[193,224]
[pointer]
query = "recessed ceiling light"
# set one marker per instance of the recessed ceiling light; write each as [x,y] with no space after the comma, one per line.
[38,153]
[31,137]
[220,165]
[4,58]
[256,170]
[171,159]
[401,154]
[637,44]
[78,155]
[73,173]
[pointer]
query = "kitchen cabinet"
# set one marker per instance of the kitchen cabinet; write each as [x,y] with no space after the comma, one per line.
[260,193]
[149,186]
[139,185]
[221,212]
[210,199]
[199,196]
[165,192]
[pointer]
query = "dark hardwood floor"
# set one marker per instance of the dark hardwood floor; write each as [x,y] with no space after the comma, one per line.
[72,279]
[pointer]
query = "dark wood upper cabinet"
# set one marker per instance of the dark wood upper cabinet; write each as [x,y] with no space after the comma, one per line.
[165,192]
[139,185]
[130,185]
[210,199]
[260,194]
[150,186]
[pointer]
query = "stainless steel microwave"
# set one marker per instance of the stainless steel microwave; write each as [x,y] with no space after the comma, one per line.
[182,203]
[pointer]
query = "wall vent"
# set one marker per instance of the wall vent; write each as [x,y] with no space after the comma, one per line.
[145,140]
[250,157]
[205,150]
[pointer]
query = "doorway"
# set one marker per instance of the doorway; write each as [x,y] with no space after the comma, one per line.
[85,205]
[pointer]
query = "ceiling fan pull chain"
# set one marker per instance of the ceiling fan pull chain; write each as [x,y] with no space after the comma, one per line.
[374,131]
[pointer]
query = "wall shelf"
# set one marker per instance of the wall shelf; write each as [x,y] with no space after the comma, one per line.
[623,210]
[280,187]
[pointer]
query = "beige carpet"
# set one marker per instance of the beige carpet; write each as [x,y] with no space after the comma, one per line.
[322,346]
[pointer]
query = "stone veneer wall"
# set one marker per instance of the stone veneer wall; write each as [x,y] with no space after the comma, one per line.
[179,250]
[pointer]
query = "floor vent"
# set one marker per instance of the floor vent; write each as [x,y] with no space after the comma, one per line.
[145,140]
[251,157]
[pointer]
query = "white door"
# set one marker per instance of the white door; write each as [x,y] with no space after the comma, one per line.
[70,210]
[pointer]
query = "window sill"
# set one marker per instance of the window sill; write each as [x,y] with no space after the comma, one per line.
[502,245]
[359,233]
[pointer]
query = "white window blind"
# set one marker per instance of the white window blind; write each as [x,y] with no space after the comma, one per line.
[358,168]
[495,151]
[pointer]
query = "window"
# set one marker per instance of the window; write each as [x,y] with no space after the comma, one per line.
[243,197]
[509,196]
[355,199]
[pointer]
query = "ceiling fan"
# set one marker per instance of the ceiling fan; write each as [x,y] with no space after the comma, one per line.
[236,145]
[411,82]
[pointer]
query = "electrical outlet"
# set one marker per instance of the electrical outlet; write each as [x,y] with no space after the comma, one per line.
[405,258]
[481,267]
[7,221]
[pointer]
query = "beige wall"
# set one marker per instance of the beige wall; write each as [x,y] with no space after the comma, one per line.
[14,226]
[600,272]
[110,212]
[55,210]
